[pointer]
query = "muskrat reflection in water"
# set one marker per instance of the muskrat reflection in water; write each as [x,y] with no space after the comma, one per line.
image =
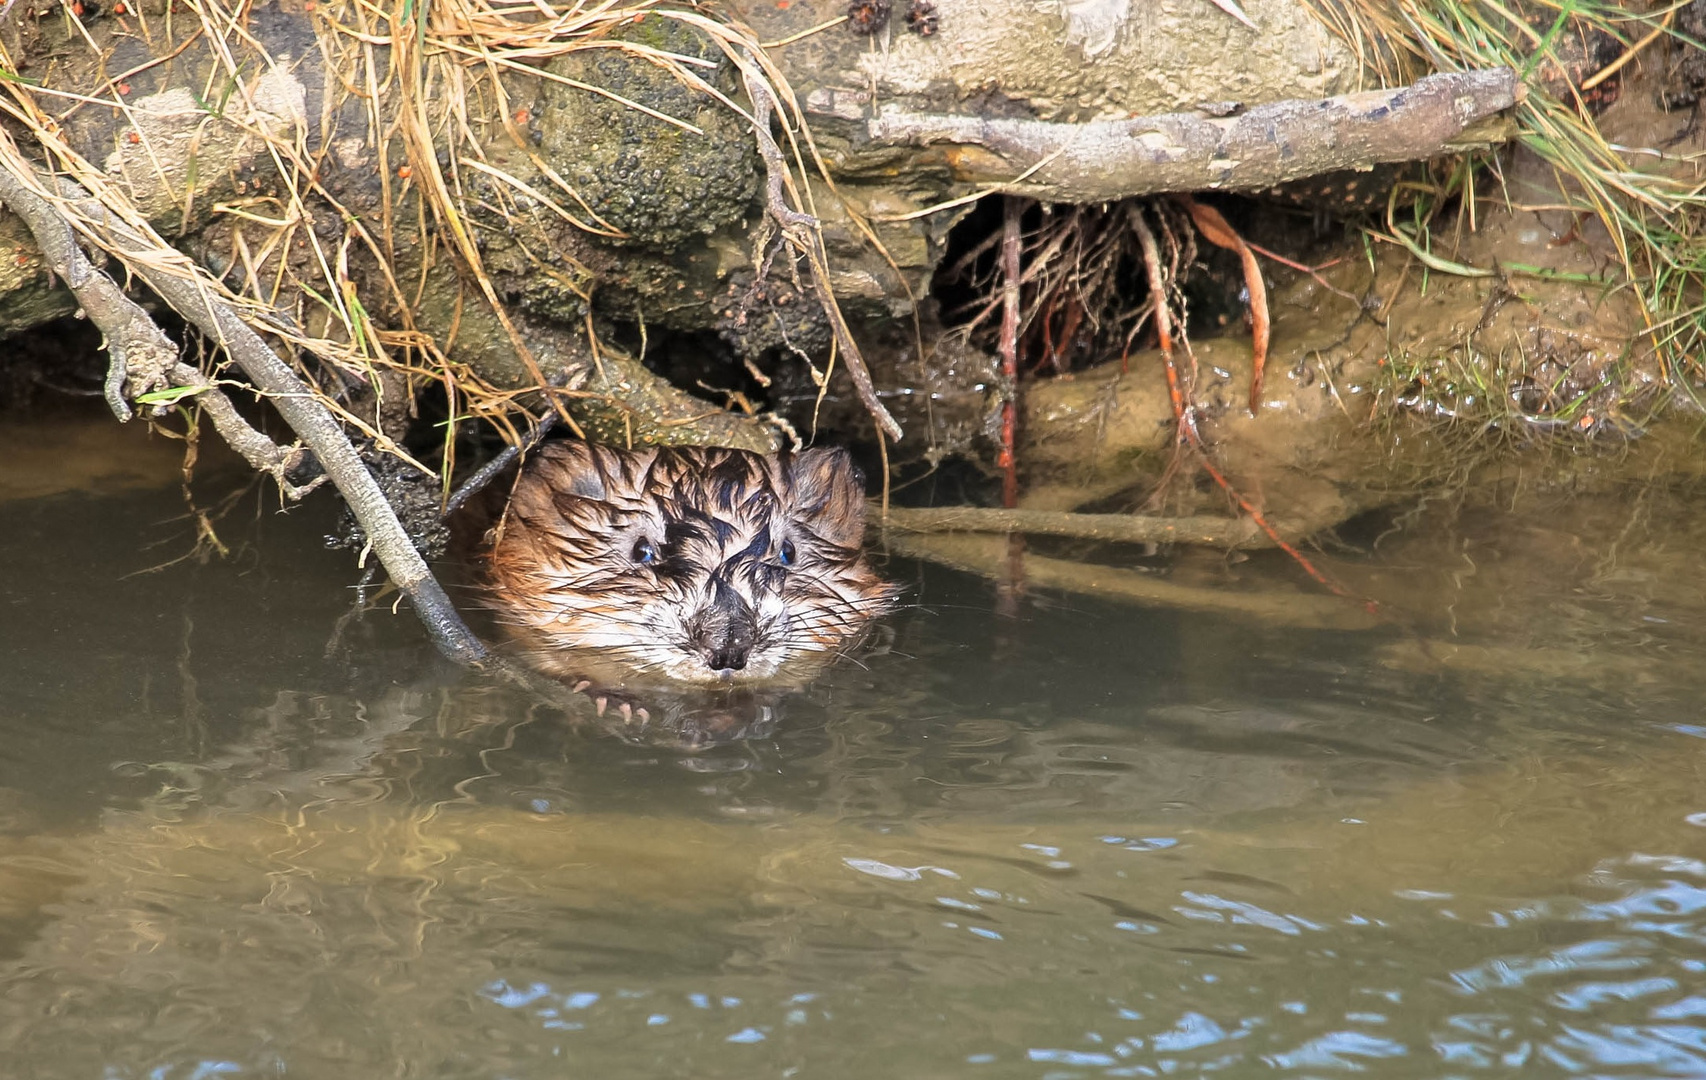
[624,570]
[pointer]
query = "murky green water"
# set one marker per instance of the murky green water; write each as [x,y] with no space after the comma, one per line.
[1082,838]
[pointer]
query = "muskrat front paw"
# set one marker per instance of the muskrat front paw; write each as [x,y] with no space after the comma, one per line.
[604,700]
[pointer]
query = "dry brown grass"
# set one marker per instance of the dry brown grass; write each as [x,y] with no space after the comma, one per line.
[428,76]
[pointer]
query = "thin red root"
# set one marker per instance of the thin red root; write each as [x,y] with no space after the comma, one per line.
[1008,346]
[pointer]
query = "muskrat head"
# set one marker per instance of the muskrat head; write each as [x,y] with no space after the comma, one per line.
[699,565]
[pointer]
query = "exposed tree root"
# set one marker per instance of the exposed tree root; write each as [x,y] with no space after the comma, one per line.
[1081,260]
[1185,413]
[1008,349]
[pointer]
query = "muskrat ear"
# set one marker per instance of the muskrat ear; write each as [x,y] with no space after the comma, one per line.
[571,468]
[588,485]
[829,494]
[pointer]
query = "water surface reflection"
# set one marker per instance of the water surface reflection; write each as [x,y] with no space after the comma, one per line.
[1091,840]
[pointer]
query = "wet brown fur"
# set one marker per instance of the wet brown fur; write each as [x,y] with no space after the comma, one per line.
[700,565]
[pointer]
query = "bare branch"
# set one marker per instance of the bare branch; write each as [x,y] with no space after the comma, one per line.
[1104,160]
[141,358]
[133,336]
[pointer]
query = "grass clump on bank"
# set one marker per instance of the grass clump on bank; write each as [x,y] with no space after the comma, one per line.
[1573,57]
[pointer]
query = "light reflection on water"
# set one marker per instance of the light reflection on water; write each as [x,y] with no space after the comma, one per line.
[1093,841]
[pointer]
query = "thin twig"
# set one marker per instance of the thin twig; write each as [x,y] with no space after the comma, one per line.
[491,469]
[142,360]
[806,33]
[802,232]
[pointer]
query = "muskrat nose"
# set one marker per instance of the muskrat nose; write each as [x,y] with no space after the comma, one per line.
[727,659]
[725,647]
[723,631]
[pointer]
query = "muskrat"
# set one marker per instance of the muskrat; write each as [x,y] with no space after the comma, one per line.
[702,566]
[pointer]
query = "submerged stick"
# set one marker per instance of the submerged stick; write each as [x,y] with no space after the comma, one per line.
[1240,533]
[1106,160]
[987,556]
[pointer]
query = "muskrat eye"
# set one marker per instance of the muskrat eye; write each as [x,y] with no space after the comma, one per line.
[644,553]
[785,554]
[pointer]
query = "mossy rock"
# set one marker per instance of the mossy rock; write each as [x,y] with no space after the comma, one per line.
[661,185]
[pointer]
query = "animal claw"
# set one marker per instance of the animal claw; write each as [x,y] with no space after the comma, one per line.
[603,703]
[627,712]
